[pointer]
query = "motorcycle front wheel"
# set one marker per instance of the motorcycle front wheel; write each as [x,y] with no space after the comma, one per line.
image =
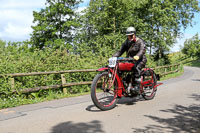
[104,91]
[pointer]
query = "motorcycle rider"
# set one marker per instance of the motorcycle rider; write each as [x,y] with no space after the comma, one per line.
[135,48]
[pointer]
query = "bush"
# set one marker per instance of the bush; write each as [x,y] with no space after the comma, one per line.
[20,58]
[192,47]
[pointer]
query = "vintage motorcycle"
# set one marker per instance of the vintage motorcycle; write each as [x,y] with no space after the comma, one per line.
[116,80]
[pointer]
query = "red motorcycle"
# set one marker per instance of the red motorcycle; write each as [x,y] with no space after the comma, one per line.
[116,80]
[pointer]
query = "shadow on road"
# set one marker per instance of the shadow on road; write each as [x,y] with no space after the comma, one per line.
[123,100]
[195,79]
[129,101]
[70,127]
[195,97]
[186,118]
[93,108]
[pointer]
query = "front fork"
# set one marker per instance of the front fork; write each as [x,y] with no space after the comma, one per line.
[114,76]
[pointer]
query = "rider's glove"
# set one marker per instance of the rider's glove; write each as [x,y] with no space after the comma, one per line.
[136,57]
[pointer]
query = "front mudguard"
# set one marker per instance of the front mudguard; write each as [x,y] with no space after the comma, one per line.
[103,69]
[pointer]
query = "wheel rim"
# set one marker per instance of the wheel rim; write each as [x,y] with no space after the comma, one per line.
[105,93]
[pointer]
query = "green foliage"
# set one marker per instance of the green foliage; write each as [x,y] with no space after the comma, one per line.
[161,57]
[157,22]
[54,24]
[192,46]
[15,59]
[179,57]
[103,25]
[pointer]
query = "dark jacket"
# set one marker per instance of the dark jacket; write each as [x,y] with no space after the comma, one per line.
[133,48]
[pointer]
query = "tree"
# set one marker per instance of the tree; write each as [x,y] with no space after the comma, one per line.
[104,23]
[158,22]
[192,46]
[165,19]
[55,25]
[2,46]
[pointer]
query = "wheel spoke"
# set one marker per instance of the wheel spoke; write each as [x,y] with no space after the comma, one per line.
[149,81]
[107,96]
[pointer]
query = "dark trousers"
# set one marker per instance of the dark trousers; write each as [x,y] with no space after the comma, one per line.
[138,67]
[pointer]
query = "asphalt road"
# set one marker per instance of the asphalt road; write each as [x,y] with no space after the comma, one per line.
[176,108]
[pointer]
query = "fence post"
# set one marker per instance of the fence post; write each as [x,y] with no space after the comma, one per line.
[157,70]
[63,82]
[165,69]
[160,70]
[178,67]
[12,82]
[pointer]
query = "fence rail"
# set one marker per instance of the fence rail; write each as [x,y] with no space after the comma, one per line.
[45,73]
[162,70]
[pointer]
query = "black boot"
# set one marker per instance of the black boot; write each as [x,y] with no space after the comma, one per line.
[136,88]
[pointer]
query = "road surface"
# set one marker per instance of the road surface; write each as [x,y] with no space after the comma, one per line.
[175,109]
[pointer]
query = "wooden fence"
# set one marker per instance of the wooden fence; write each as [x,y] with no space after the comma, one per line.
[161,70]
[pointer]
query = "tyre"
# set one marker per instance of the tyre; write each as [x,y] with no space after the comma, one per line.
[104,91]
[149,89]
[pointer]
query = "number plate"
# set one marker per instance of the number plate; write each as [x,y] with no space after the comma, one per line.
[112,61]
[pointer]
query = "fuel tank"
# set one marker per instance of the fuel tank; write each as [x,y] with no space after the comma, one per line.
[125,66]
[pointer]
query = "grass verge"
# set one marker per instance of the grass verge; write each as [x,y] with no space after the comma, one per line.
[16,100]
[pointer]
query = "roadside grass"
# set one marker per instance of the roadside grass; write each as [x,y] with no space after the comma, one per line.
[16,100]
[184,59]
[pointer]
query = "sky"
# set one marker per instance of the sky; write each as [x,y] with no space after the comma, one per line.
[188,33]
[17,17]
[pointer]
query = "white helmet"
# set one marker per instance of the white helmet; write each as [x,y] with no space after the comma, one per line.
[130,31]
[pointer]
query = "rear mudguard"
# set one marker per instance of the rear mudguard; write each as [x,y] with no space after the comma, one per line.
[119,81]
[157,77]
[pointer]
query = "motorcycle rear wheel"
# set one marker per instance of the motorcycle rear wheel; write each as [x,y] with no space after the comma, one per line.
[149,89]
[103,92]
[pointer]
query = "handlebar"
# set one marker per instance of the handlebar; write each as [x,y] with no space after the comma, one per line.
[125,59]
